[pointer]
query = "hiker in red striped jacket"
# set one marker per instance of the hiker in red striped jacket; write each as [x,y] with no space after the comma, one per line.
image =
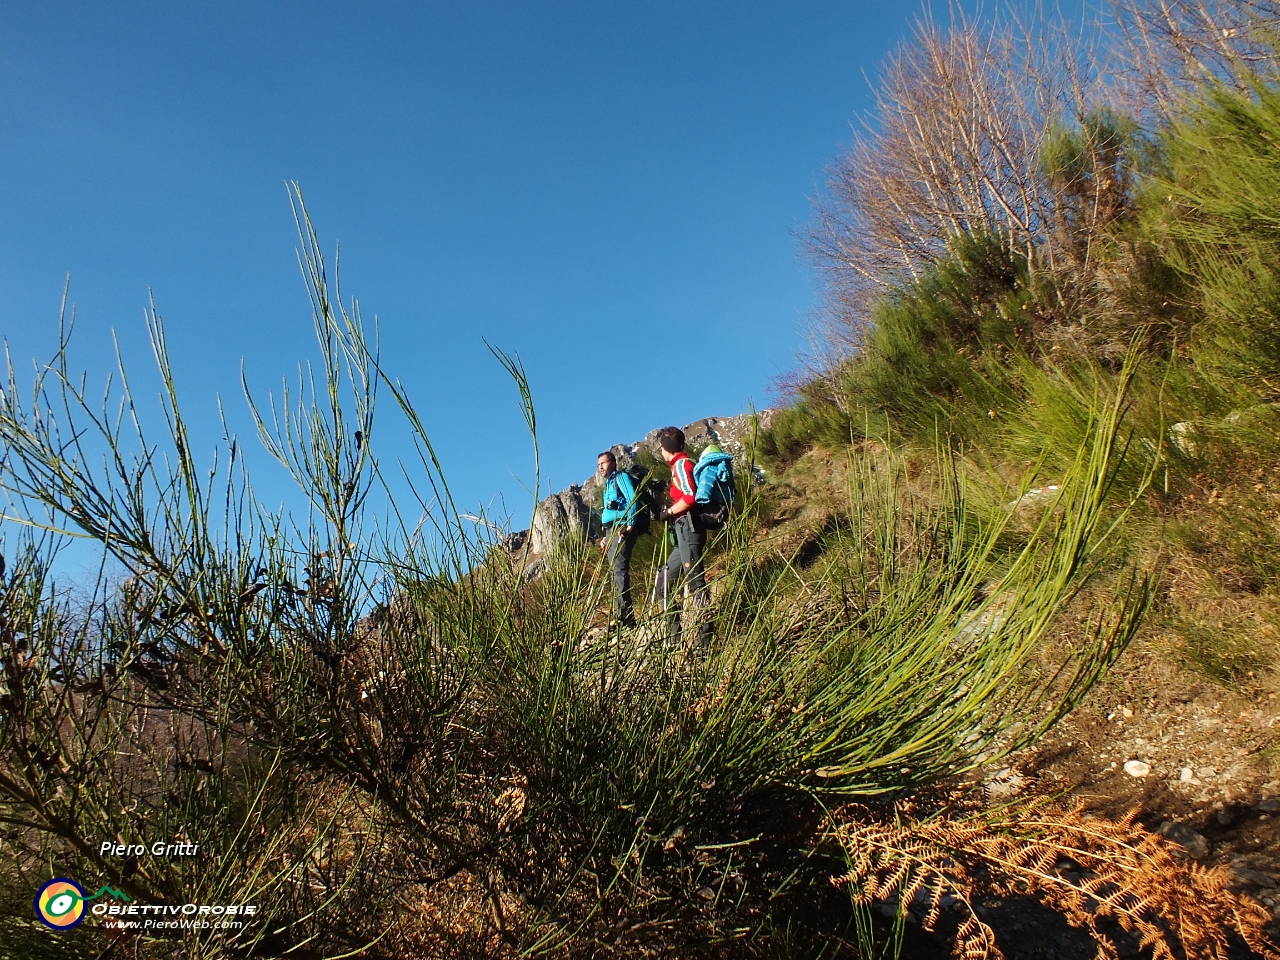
[686,558]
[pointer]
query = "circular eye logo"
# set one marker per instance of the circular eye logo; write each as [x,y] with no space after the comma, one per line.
[60,903]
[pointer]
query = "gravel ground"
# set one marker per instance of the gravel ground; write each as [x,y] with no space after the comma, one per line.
[1211,784]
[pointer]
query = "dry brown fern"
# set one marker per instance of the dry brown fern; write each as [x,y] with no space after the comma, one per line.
[1087,868]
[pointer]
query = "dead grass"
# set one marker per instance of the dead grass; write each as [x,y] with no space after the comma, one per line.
[456,919]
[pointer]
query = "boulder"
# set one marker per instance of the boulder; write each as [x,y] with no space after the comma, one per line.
[549,524]
[562,514]
[1196,846]
[576,512]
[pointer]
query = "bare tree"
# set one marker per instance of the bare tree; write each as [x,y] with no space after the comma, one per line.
[1170,45]
[954,145]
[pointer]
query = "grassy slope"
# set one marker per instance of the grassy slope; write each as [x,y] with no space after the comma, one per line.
[1199,688]
[1186,281]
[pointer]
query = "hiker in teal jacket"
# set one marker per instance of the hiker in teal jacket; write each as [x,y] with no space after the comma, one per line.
[618,515]
[620,501]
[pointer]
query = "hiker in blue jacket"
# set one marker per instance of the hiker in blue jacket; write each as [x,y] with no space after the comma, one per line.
[618,515]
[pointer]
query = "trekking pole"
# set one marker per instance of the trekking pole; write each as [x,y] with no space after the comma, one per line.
[599,572]
[661,571]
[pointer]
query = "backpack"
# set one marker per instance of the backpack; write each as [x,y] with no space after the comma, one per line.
[717,489]
[647,505]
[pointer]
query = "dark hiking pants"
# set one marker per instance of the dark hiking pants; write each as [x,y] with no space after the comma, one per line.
[620,546]
[686,560]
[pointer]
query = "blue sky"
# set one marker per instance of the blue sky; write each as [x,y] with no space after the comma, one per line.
[612,191]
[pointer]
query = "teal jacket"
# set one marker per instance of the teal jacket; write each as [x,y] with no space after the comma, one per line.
[620,502]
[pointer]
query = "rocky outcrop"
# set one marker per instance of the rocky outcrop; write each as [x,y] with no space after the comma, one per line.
[561,514]
[732,433]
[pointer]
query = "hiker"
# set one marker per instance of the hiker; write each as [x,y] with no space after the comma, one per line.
[619,517]
[686,558]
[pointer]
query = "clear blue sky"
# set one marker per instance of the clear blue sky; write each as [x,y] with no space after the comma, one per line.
[610,190]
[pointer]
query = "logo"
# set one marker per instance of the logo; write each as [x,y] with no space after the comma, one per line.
[60,902]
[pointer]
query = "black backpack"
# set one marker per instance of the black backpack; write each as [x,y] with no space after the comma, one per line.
[647,505]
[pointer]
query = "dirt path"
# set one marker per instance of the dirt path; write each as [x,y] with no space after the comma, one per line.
[1211,783]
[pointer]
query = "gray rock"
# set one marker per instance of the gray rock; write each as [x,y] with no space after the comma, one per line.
[699,433]
[1243,875]
[576,512]
[1184,437]
[1036,497]
[979,625]
[560,515]
[1269,806]
[1004,784]
[732,433]
[549,524]
[1195,845]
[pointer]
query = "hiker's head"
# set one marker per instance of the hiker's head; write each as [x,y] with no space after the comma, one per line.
[670,442]
[606,463]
